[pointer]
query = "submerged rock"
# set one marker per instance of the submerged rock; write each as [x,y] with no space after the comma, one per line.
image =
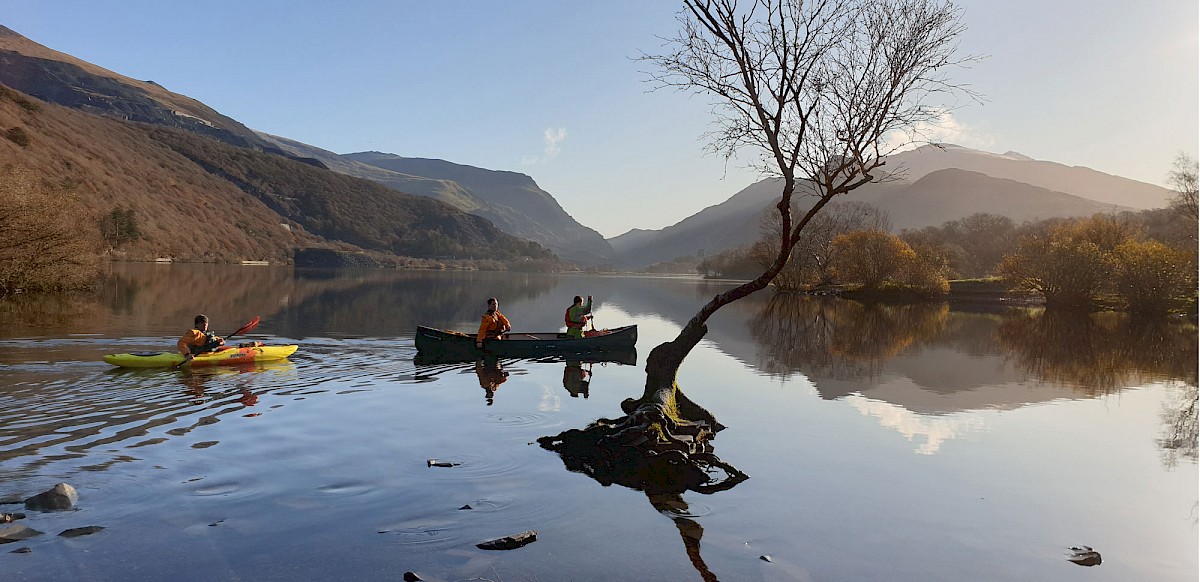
[1084,556]
[62,496]
[509,542]
[81,531]
[16,533]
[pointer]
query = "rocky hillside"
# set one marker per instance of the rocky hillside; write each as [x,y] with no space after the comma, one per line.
[510,200]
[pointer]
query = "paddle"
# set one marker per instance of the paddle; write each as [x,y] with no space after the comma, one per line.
[253,323]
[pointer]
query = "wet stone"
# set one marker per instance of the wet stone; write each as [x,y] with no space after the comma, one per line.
[62,496]
[81,531]
[509,542]
[16,533]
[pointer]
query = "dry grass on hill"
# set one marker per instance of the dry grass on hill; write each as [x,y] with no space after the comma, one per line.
[181,210]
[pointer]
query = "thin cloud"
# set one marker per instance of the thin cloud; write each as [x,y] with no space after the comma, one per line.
[947,129]
[553,137]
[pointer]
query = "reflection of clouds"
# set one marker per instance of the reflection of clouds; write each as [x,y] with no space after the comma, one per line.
[550,402]
[935,429]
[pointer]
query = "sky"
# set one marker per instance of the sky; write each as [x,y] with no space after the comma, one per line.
[552,89]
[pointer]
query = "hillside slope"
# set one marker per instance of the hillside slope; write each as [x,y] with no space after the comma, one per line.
[514,202]
[60,78]
[199,199]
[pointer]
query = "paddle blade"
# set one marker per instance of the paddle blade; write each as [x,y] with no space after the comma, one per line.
[245,328]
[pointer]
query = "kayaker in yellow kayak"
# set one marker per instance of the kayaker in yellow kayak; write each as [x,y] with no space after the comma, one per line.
[493,324]
[199,340]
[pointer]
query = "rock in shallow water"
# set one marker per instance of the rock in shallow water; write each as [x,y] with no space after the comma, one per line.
[62,496]
[1084,556]
[509,542]
[14,533]
[81,531]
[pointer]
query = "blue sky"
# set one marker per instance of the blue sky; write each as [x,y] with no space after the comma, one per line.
[549,88]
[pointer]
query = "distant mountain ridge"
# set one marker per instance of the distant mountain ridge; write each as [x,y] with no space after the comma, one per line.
[929,190]
[939,183]
[1076,180]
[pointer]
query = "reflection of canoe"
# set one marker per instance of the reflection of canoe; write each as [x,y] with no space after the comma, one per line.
[626,357]
[230,356]
[438,342]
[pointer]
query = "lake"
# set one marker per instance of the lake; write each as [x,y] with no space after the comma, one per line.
[902,442]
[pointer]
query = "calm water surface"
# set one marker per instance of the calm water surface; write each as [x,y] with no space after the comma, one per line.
[907,443]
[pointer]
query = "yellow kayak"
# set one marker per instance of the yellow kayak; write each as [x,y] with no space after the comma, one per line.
[225,357]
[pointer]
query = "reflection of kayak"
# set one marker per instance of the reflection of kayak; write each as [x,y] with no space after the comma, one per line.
[438,342]
[229,356]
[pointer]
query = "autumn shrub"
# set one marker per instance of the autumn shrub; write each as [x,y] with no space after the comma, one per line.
[44,246]
[18,136]
[1069,264]
[873,258]
[1152,277]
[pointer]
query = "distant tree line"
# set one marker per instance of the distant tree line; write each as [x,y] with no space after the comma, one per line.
[1145,261]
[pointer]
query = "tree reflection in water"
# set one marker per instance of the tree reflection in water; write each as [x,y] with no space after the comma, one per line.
[836,338]
[1099,353]
[1095,354]
[1106,352]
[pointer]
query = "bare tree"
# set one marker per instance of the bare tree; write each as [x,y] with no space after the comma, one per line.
[1183,180]
[820,91]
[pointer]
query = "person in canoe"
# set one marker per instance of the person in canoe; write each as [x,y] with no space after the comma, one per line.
[577,316]
[493,324]
[199,340]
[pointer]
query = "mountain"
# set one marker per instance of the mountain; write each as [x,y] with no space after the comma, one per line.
[202,186]
[1076,180]
[513,201]
[953,193]
[933,196]
[60,78]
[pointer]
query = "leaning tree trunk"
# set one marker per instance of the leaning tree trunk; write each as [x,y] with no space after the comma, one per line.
[662,444]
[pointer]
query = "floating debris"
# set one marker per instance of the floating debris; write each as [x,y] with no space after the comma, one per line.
[765,558]
[437,463]
[468,506]
[411,577]
[23,550]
